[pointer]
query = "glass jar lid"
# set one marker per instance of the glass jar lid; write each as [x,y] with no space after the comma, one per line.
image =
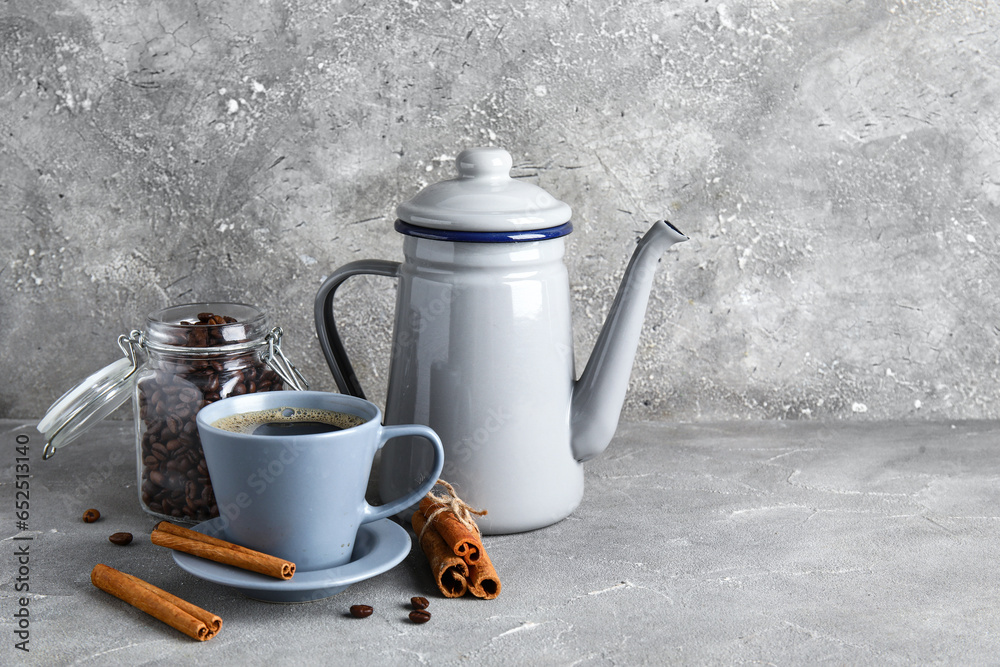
[92,400]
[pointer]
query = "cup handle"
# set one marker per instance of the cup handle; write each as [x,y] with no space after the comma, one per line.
[373,512]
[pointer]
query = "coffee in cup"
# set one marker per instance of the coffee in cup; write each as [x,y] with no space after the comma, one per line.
[288,421]
[290,470]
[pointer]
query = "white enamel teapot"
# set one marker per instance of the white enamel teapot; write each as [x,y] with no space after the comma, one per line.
[482,347]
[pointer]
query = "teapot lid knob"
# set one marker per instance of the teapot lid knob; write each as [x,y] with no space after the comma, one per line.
[486,162]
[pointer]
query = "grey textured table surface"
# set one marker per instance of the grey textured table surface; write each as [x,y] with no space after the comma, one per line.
[765,542]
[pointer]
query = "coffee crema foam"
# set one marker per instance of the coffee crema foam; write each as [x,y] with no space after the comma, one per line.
[248,422]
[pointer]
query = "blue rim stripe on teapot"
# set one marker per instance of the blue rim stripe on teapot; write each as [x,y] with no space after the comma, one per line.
[520,236]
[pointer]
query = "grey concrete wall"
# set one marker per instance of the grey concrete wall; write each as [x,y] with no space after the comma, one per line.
[836,163]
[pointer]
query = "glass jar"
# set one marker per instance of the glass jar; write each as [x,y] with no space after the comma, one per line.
[185,358]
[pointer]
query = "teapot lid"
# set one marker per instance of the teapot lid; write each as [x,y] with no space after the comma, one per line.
[484,198]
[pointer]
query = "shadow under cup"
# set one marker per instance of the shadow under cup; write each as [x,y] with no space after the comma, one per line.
[301,496]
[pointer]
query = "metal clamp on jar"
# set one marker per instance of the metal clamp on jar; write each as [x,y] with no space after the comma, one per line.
[186,357]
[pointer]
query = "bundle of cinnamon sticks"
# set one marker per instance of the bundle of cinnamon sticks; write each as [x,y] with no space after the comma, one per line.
[453,545]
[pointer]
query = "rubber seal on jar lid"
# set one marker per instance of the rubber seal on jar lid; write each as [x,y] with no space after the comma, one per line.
[87,403]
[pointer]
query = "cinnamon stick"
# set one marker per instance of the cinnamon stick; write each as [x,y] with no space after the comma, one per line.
[198,544]
[450,572]
[192,620]
[484,582]
[462,541]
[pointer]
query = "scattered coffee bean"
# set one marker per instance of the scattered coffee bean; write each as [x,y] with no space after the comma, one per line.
[361,610]
[121,539]
[91,515]
[419,603]
[420,616]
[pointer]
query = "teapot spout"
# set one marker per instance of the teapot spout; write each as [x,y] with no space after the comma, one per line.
[599,394]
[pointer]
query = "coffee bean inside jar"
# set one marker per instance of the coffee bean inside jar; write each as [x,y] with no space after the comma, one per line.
[197,354]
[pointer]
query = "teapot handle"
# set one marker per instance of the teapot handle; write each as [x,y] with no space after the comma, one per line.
[326,328]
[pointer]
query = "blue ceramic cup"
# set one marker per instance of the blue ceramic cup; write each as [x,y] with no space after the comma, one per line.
[294,495]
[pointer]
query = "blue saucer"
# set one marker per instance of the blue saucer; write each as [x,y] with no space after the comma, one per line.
[379,547]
